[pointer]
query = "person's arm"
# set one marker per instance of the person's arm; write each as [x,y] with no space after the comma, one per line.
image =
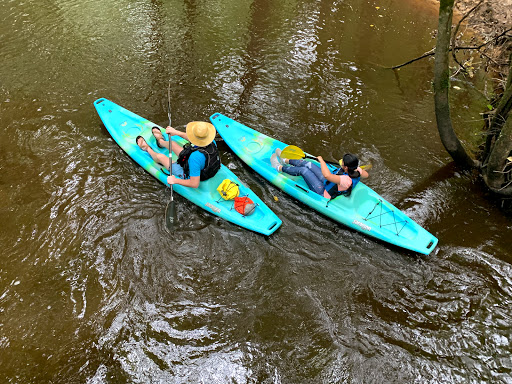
[364,174]
[174,132]
[326,172]
[192,182]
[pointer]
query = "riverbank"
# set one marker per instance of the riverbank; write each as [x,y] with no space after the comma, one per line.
[488,20]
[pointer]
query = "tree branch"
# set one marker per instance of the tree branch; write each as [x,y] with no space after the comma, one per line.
[432,52]
[454,35]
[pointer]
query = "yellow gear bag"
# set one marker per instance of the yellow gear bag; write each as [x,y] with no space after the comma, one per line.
[228,189]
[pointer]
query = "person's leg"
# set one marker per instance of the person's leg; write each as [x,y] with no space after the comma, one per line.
[159,137]
[159,158]
[176,148]
[311,179]
[177,170]
[162,143]
[311,166]
[297,163]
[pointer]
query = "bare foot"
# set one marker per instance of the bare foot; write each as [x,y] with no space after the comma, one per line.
[141,142]
[158,136]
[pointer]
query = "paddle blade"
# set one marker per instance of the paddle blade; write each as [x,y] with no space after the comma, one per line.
[292,152]
[171,218]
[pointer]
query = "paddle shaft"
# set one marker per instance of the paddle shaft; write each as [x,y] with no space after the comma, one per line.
[328,162]
[366,167]
[294,152]
[170,212]
[170,139]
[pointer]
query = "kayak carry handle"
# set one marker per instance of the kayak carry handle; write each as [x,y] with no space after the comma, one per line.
[272,225]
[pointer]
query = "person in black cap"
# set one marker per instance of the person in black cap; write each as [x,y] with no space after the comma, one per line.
[322,180]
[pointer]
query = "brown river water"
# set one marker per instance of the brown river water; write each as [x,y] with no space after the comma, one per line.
[94,290]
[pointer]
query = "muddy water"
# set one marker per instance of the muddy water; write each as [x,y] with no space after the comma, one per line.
[93,289]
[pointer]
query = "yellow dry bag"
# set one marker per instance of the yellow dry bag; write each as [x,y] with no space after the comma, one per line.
[228,189]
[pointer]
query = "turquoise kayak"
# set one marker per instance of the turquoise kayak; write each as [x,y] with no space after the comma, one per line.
[364,210]
[124,126]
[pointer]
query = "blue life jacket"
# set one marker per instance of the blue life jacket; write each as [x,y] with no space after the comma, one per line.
[332,188]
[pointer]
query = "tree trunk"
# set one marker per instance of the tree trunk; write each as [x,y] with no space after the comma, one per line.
[505,104]
[497,174]
[441,87]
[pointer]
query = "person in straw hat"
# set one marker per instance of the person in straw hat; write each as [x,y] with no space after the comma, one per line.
[196,162]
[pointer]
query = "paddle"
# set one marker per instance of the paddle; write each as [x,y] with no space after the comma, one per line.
[170,212]
[295,153]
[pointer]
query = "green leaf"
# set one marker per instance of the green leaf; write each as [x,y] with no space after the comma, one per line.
[489,106]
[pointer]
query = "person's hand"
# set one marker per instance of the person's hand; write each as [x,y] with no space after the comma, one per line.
[320,158]
[171,131]
[171,180]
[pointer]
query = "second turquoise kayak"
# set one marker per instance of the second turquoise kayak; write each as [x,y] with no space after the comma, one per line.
[364,210]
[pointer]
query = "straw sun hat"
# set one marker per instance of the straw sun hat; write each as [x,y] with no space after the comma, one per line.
[200,133]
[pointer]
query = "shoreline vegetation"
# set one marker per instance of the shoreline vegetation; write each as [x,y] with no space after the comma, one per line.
[480,29]
[486,27]
[491,39]
[490,23]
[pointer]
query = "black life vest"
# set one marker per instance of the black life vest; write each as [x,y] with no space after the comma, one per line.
[212,164]
[332,188]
